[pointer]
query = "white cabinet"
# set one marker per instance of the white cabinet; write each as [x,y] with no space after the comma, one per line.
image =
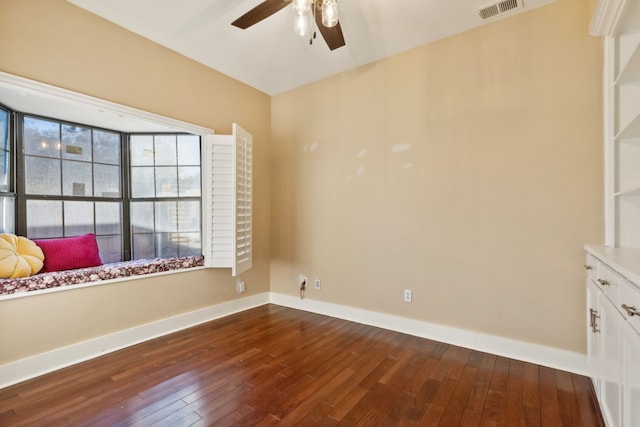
[613,284]
[613,332]
[603,341]
[618,21]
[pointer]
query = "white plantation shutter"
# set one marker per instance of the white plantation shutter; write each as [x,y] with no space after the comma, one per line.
[228,198]
[243,152]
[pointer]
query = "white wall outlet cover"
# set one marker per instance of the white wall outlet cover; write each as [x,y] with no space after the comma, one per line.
[317,284]
[240,286]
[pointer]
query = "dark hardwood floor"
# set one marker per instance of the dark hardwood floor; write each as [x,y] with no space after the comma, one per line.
[273,365]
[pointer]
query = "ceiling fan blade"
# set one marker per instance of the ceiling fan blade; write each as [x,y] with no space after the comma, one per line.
[260,12]
[333,36]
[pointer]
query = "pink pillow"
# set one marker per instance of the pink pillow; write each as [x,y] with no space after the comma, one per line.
[69,253]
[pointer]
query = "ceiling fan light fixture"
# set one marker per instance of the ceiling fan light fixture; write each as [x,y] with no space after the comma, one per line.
[301,7]
[329,13]
[311,12]
[301,24]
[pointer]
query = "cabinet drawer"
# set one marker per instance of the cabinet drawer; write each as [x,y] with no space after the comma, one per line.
[609,282]
[630,304]
[591,266]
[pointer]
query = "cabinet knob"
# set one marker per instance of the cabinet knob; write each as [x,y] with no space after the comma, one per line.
[631,310]
[604,282]
[588,267]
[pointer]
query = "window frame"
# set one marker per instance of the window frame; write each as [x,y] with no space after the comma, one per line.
[11,193]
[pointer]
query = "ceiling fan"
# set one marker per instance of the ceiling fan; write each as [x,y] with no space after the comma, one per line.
[332,35]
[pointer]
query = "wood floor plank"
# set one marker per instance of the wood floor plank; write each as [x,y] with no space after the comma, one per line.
[496,395]
[567,399]
[478,395]
[513,413]
[273,365]
[587,404]
[549,403]
[456,405]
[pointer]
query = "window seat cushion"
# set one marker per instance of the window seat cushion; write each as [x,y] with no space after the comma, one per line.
[94,274]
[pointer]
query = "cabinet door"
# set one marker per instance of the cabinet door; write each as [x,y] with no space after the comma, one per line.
[610,366]
[593,334]
[631,375]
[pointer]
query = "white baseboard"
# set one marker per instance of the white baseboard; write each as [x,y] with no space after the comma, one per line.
[30,367]
[514,349]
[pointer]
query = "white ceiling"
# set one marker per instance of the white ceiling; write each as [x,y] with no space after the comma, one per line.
[269,56]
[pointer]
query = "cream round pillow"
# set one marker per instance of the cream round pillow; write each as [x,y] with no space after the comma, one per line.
[19,257]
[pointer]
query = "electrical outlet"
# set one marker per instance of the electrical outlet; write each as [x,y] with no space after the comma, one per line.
[317,284]
[240,287]
[407,295]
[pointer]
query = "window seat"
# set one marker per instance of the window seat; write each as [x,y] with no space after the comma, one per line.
[94,274]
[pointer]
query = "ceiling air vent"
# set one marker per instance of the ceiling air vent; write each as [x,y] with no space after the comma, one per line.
[494,9]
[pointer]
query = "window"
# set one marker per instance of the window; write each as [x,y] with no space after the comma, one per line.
[71,183]
[139,194]
[165,186]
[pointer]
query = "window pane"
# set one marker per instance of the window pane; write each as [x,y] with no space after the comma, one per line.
[4,129]
[190,244]
[42,176]
[7,214]
[44,219]
[166,182]
[107,180]
[142,182]
[76,143]
[167,245]
[110,248]
[106,147]
[189,216]
[78,218]
[141,214]
[141,150]
[108,218]
[5,157]
[41,137]
[4,150]
[189,150]
[166,218]
[189,181]
[76,179]
[143,247]
[165,149]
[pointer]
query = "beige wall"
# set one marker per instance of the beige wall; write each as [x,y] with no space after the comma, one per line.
[54,42]
[468,170]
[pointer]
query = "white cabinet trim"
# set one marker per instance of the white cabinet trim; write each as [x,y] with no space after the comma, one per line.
[606,17]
